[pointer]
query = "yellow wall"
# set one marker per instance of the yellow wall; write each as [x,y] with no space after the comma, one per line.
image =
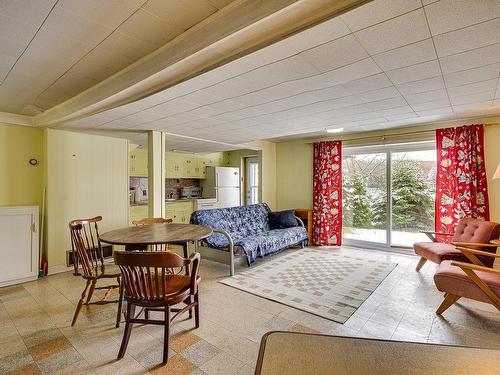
[294,164]
[87,175]
[21,183]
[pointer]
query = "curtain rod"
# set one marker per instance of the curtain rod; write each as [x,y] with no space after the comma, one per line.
[383,136]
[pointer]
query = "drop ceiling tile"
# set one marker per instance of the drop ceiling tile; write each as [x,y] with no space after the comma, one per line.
[378,11]
[482,73]
[335,54]
[477,108]
[497,93]
[427,96]
[412,54]
[396,111]
[472,88]
[402,116]
[416,72]
[423,85]
[357,70]
[471,59]
[397,32]
[446,110]
[473,98]
[472,37]
[448,15]
[431,105]
[12,29]
[325,32]
[150,29]
[377,81]
[379,94]
[180,14]
[109,13]
[387,104]
[125,45]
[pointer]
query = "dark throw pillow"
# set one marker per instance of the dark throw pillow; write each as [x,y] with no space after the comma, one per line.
[282,219]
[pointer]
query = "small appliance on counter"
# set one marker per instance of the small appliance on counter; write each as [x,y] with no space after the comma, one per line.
[189,192]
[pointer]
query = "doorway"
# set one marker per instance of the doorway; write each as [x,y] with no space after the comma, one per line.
[251,181]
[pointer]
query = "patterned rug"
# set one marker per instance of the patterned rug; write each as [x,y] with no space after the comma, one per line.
[321,282]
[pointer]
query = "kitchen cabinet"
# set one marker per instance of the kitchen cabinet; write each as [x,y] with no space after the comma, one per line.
[191,166]
[179,212]
[138,164]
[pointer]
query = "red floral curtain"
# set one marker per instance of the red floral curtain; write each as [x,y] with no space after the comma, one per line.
[327,193]
[461,188]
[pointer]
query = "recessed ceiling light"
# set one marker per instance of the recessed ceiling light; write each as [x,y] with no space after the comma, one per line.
[337,130]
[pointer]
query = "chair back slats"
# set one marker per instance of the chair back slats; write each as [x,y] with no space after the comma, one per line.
[152,221]
[87,249]
[146,274]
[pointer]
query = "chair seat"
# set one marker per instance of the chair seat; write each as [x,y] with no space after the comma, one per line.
[453,280]
[105,271]
[177,289]
[437,252]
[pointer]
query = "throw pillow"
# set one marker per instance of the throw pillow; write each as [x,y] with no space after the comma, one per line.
[282,219]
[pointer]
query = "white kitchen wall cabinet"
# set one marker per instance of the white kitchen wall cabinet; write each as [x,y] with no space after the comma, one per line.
[19,244]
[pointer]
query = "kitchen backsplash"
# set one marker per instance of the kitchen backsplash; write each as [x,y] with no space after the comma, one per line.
[174,185]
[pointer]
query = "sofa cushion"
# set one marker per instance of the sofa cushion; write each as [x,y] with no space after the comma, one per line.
[282,219]
[451,279]
[477,231]
[239,222]
[266,243]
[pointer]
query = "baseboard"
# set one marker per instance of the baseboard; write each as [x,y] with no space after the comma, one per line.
[59,268]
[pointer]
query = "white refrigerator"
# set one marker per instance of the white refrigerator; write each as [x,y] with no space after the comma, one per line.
[223,184]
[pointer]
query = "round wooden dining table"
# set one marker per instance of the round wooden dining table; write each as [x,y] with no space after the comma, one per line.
[140,237]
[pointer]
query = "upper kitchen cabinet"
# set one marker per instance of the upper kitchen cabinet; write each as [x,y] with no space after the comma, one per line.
[138,164]
[191,166]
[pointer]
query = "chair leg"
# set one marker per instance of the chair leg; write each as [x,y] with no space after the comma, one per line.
[91,291]
[421,262]
[120,304]
[80,303]
[146,314]
[197,310]
[166,334]
[449,300]
[128,330]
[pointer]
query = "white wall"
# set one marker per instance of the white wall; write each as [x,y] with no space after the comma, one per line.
[87,175]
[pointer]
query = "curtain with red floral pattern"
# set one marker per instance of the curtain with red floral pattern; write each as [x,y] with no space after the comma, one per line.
[327,193]
[461,187]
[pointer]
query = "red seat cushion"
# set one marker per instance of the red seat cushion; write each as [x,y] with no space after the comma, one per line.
[451,279]
[437,252]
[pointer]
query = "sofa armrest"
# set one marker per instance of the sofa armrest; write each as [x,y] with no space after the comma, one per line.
[231,247]
[471,254]
[299,220]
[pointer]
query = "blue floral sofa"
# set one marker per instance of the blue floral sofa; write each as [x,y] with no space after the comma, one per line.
[245,231]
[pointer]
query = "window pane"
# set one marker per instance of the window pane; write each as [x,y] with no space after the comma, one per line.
[413,189]
[364,197]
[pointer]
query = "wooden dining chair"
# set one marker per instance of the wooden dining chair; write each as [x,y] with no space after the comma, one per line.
[152,221]
[148,282]
[87,255]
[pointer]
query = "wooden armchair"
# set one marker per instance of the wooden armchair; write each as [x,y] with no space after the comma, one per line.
[472,233]
[152,221]
[469,280]
[149,282]
[87,253]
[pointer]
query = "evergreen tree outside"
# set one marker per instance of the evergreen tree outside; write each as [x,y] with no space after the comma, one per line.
[412,198]
[357,212]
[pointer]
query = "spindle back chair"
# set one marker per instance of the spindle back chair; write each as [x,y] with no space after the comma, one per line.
[149,282]
[88,255]
[152,221]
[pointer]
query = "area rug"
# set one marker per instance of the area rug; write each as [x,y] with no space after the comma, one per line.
[321,282]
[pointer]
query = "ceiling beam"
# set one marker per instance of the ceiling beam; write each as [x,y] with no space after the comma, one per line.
[15,119]
[238,29]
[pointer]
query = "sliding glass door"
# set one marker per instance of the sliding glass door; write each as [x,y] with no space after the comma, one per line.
[388,194]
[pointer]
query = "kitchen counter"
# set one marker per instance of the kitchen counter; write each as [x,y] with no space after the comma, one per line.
[166,202]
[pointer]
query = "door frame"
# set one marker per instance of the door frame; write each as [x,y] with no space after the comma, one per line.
[386,149]
[244,179]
